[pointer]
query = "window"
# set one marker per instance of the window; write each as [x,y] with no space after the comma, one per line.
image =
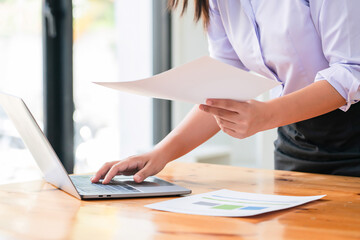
[20,75]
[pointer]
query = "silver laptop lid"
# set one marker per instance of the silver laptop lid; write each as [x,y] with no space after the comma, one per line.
[45,156]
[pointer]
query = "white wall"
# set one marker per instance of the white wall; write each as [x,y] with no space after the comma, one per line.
[189,42]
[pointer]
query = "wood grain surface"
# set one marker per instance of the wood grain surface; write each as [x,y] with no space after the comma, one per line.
[37,210]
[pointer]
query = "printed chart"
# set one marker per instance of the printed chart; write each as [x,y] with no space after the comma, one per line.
[231,203]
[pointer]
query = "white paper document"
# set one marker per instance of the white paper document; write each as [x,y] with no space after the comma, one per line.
[197,81]
[229,203]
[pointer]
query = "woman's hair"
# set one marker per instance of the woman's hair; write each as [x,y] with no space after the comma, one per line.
[202,9]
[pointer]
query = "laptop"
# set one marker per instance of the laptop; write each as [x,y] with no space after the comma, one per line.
[78,186]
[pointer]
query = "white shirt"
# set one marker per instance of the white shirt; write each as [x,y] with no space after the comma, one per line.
[295,42]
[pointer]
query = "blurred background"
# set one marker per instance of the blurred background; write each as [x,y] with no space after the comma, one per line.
[113,40]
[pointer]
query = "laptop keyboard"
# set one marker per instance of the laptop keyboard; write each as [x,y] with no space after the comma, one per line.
[84,185]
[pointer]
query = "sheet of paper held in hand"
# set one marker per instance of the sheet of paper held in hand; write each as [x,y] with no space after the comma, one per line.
[198,80]
[229,203]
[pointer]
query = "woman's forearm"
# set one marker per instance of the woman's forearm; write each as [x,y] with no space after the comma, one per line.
[195,129]
[314,100]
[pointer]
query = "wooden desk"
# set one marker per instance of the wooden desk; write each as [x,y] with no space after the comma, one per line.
[36,210]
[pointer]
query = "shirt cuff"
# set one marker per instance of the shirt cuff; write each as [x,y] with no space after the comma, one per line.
[343,79]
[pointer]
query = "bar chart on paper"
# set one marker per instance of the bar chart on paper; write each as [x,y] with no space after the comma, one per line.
[231,203]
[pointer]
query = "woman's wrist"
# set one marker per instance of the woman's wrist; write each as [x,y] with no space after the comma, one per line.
[167,150]
[273,114]
[196,128]
[159,155]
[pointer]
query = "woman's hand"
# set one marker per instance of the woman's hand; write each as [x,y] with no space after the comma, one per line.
[141,167]
[243,119]
[239,119]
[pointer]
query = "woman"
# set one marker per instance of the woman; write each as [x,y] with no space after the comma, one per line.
[313,48]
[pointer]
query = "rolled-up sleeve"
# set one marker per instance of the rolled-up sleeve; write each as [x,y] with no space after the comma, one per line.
[220,47]
[337,23]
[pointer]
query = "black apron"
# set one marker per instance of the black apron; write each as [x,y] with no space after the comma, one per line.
[328,144]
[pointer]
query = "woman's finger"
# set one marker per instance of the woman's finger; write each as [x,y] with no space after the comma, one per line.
[224,123]
[129,173]
[230,132]
[100,174]
[221,113]
[227,104]
[144,173]
[116,169]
